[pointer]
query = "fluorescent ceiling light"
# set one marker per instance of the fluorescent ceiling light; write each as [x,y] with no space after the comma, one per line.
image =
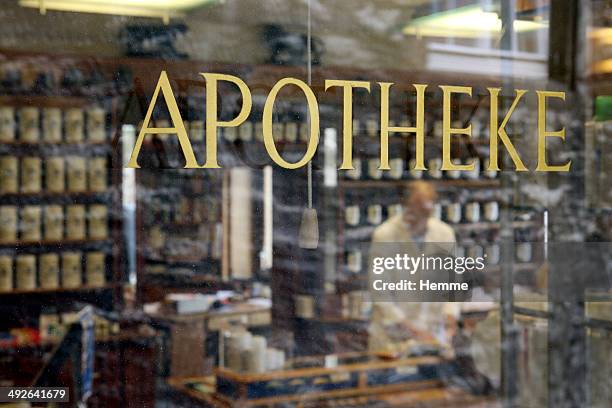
[467,22]
[164,9]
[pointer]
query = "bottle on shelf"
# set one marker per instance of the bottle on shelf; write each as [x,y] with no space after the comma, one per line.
[434,166]
[371,127]
[352,215]
[453,212]
[7,124]
[524,247]
[490,174]
[356,172]
[374,214]
[291,131]
[9,182]
[374,172]
[354,261]
[29,124]
[491,211]
[396,171]
[472,212]
[6,273]
[414,174]
[475,172]
[25,272]
[454,174]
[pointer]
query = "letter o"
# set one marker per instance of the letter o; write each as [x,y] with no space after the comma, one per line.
[313,109]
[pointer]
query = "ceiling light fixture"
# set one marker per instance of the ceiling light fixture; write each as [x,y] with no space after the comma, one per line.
[465,22]
[164,9]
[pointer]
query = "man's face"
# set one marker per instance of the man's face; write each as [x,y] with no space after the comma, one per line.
[417,209]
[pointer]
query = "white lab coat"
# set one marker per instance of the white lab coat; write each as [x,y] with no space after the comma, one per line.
[425,316]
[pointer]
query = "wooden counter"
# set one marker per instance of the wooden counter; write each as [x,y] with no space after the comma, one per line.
[435,397]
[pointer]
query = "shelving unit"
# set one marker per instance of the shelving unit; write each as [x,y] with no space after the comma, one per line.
[180,207]
[112,245]
[22,308]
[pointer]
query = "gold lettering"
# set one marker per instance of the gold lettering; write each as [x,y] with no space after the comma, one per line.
[313,111]
[501,131]
[347,117]
[448,131]
[419,128]
[497,130]
[178,128]
[212,122]
[543,133]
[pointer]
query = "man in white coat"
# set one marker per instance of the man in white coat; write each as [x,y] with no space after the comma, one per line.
[426,320]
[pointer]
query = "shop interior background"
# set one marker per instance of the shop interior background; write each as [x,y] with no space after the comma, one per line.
[203,287]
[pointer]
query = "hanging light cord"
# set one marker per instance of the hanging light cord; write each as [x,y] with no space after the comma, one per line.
[309,54]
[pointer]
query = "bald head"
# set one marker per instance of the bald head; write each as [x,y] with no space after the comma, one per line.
[422,190]
[419,199]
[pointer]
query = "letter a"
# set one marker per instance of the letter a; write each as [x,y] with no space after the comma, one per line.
[177,122]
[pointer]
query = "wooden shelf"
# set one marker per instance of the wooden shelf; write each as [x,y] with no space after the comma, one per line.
[46,194]
[484,226]
[61,198]
[440,183]
[51,291]
[16,144]
[45,101]
[64,242]
[355,232]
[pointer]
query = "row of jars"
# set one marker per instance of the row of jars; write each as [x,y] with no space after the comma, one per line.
[289,131]
[70,173]
[524,253]
[33,223]
[480,127]
[400,169]
[454,213]
[52,125]
[244,352]
[52,270]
